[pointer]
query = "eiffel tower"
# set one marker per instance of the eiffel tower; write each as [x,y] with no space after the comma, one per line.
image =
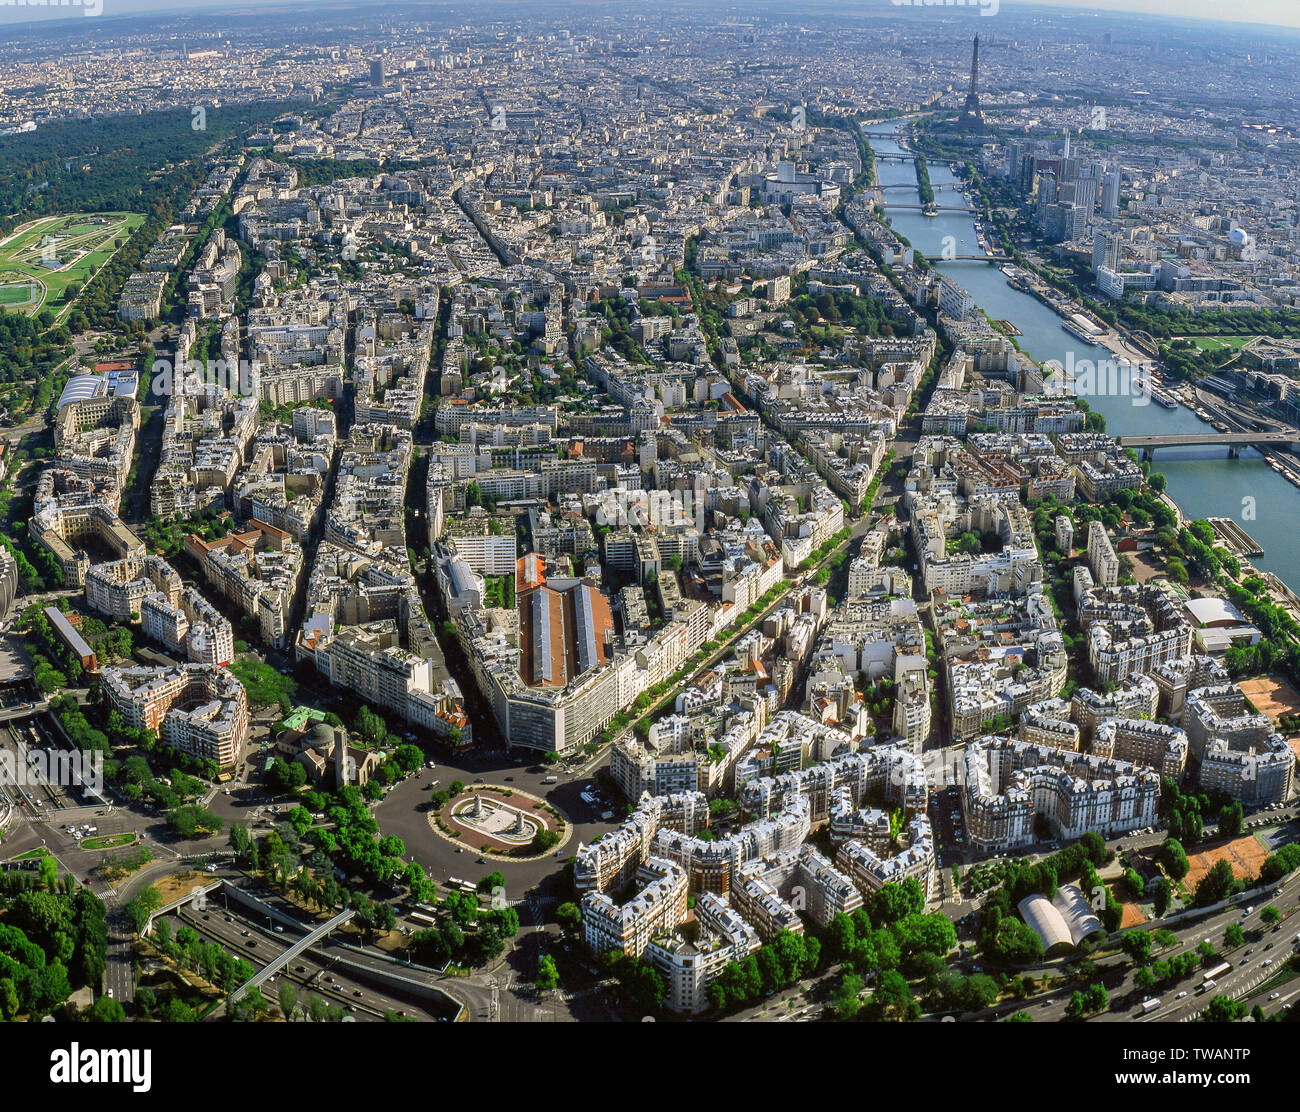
[972,115]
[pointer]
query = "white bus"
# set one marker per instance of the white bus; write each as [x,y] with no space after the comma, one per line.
[1217,972]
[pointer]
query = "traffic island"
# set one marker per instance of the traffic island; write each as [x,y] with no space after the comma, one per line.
[505,823]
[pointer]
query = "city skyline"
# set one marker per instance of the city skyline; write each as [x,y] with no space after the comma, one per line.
[1274,13]
[593,514]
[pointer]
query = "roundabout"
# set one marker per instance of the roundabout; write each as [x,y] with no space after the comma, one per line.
[500,821]
[495,818]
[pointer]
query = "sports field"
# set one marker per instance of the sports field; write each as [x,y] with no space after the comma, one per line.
[1219,343]
[41,259]
[1246,854]
[1273,695]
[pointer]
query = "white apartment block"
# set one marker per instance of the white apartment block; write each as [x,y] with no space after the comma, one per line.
[1102,560]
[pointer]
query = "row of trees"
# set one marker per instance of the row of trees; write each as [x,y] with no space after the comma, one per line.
[209,959]
[787,959]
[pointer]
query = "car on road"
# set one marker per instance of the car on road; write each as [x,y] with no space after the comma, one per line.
[482,860]
[1274,995]
[356,992]
[251,943]
[300,969]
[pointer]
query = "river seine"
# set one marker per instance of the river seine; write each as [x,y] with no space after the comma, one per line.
[1203,481]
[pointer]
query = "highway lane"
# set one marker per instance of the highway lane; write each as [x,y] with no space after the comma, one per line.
[1256,962]
[316,972]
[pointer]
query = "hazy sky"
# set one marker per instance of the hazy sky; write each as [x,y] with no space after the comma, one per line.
[1281,13]
[1278,12]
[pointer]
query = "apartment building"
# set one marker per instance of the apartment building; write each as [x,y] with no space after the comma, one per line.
[200,709]
[1102,561]
[1238,751]
[688,967]
[1008,782]
[485,551]
[368,661]
[659,905]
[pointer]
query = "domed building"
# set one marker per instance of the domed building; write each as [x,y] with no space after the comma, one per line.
[323,750]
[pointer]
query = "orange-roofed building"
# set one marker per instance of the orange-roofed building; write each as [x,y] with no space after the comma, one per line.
[530,572]
[566,629]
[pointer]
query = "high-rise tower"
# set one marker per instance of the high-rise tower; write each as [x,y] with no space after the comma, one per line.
[972,116]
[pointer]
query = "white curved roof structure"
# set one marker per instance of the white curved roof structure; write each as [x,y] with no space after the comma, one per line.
[1077,912]
[1214,611]
[1047,922]
[80,388]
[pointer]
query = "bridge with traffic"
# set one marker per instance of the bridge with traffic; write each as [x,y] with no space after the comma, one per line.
[1233,441]
[968,258]
[306,942]
[909,185]
[930,208]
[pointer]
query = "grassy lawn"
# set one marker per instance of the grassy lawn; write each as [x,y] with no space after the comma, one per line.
[1220,343]
[39,851]
[17,294]
[263,684]
[108,841]
[82,243]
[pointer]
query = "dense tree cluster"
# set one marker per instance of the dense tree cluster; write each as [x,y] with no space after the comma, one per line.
[1218,884]
[1277,865]
[1184,814]
[467,934]
[51,941]
[1087,1002]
